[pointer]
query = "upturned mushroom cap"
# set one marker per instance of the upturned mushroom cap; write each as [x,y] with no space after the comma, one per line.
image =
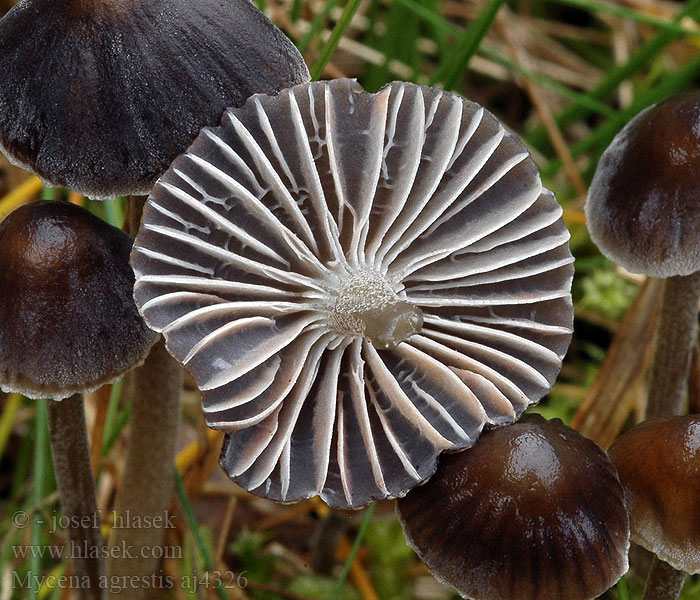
[68,322]
[101,95]
[642,208]
[533,511]
[357,282]
[659,466]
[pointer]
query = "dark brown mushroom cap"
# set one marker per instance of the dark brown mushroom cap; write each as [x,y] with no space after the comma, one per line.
[102,95]
[642,208]
[659,467]
[68,322]
[533,511]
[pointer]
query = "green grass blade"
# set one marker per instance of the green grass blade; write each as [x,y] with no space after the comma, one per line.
[316,26]
[429,16]
[333,41]
[115,211]
[399,39]
[353,551]
[584,100]
[539,138]
[111,418]
[604,134]
[295,13]
[120,423]
[40,468]
[7,420]
[193,525]
[49,193]
[622,589]
[456,63]
[618,10]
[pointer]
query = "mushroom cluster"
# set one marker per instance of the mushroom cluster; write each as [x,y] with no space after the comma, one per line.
[357,282]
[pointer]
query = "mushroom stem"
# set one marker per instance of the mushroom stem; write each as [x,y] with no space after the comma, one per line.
[678,329]
[664,582]
[142,502]
[76,488]
[147,483]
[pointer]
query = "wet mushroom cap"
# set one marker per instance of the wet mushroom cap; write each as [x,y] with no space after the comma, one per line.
[533,511]
[357,282]
[104,94]
[68,322]
[642,208]
[659,466]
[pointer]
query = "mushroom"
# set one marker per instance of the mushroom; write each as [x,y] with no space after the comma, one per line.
[659,467]
[642,213]
[357,282]
[104,94]
[68,324]
[533,511]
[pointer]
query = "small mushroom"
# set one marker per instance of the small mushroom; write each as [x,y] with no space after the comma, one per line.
[642,212]
[659,466]
[357,282]
[68,324]
[533,511]
[104,94]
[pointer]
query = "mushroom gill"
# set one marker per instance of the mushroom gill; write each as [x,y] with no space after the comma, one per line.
[357,282]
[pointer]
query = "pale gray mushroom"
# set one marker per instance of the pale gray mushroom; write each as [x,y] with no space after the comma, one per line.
[357,282]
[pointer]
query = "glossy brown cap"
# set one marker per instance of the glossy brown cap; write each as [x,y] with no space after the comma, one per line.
[68,322]
[659,467]
[533,511]
[101,96]
[642,208]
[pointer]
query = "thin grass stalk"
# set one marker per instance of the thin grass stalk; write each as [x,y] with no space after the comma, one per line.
[456,64]
[623,12]
[192,523]
[622,592]
[316,26]
[295,13]
[76,487]
[354,550]
[7,420]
